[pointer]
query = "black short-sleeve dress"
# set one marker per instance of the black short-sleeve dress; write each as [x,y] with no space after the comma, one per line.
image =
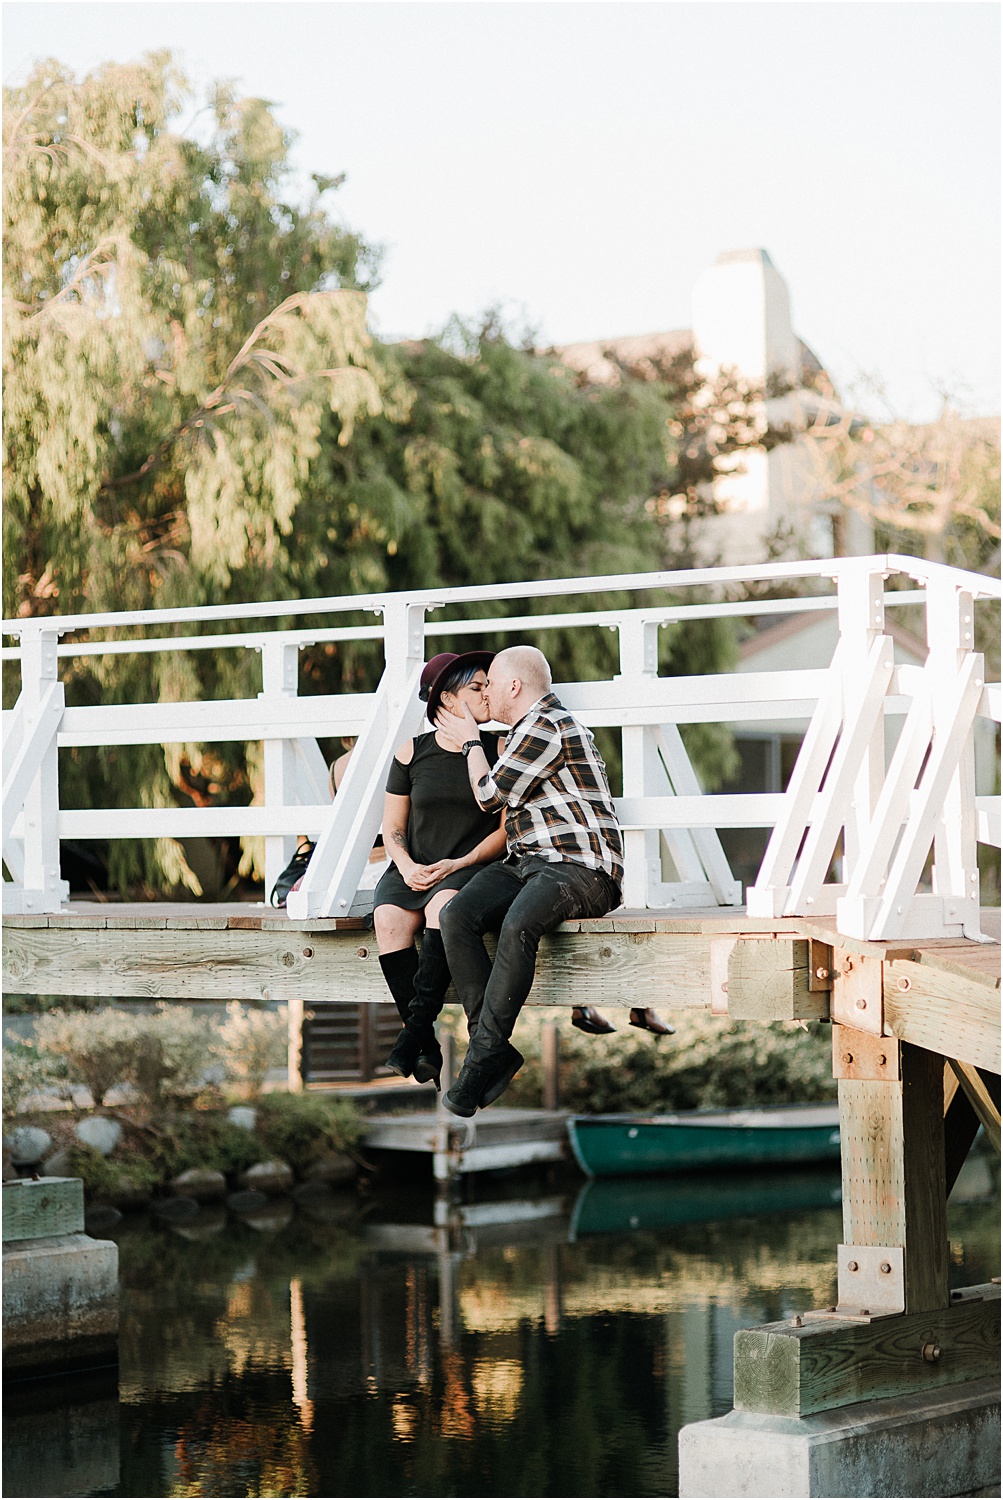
[444,822]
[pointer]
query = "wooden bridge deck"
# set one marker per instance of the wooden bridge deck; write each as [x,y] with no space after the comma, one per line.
[941,994]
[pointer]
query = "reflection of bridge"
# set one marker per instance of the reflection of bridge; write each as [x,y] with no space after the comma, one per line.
[885,774]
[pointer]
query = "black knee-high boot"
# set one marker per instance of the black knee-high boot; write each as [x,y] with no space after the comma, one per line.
[417,1051]
[399,969]
[430,986]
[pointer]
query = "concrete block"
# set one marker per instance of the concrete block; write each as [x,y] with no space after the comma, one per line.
[60,1304]
[942,1443]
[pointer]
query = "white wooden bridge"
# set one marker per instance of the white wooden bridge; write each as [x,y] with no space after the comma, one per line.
[845,922]
[889,809]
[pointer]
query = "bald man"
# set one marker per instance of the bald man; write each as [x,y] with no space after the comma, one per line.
[564,858]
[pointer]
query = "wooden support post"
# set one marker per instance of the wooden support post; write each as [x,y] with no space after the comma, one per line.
[365,1016]
[294,1063]
[551,1091]
[894,1187]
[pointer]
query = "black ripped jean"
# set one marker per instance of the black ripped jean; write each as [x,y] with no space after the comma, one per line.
[520,901]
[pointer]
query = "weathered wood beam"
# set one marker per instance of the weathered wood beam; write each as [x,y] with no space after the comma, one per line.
[893,1166]
[769,979]
[787,1370]
[950,1008]
[980,1097]
[282,962]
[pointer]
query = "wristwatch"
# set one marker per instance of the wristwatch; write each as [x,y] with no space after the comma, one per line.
[471,745]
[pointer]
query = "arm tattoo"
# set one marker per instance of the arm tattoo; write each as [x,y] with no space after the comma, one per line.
[398,836]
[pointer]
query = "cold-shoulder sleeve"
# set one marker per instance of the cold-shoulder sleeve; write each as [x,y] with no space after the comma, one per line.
[399,779]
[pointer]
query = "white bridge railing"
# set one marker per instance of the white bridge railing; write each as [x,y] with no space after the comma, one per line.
[890,807]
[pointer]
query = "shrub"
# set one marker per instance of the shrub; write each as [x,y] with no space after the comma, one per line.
[301,1127]
[205,1140]
[251,1043]
[103,1178]
[168,1056]
[25,1071]
[711,1062]
[93,1048]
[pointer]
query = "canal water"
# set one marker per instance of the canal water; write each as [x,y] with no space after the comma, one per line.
[529,1337]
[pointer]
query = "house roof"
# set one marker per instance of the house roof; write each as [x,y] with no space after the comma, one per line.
[591,357]
[824,626]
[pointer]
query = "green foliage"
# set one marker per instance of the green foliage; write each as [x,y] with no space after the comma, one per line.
[711,1062]
[176,329]
[94,1048]
[196,413]
[250,1043]
[163,1056]
[168,1057]
[34,1005]
[298,1128]
[24,1073]
[509,466]
[203,1139]
[178,336]
[104,1178]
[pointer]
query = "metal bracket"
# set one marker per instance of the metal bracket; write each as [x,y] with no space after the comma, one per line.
[857,998]
[871,1279]
[819,965]
[858,1054]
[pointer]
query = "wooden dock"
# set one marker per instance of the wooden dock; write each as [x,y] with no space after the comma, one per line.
[490,1140]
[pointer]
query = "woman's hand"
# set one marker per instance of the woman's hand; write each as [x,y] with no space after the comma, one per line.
[442,867]
[416,876]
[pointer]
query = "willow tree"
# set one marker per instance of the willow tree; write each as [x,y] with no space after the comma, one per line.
[180,335]
[195,413]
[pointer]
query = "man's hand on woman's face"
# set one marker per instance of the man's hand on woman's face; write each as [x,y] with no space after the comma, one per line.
[456,729]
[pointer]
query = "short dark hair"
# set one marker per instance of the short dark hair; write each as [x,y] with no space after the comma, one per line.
[458,678]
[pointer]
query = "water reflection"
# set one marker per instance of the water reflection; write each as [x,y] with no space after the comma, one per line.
[540,1344]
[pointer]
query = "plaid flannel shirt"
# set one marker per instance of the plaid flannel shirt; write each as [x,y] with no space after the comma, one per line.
[552,782]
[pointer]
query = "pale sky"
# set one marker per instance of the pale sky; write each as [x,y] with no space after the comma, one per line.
[581,163]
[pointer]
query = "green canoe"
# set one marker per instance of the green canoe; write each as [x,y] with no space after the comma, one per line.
[628,1145]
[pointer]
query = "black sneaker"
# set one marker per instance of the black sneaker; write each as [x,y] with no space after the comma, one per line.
[294,871]
[465,1095]
[501,1075]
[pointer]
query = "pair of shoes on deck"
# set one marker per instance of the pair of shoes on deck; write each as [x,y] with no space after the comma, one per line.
[480,1084]
[588,1019]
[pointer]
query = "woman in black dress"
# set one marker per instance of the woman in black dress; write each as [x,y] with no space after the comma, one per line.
[437,837]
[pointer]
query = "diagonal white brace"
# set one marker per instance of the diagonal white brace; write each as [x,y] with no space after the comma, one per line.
[863,701]
[39,726]
[342,850]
